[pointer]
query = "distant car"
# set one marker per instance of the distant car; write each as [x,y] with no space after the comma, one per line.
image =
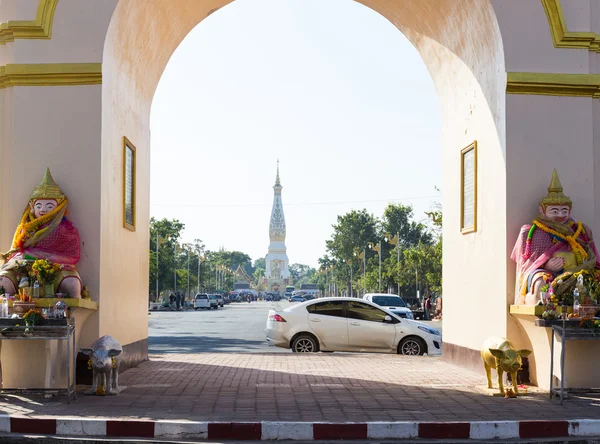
[297,299]
[220,299]
[214,302]
[349,324]
[202,301]
[392,302]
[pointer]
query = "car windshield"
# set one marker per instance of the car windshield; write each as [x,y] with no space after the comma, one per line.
[201,296]
[389,301]
[212,297]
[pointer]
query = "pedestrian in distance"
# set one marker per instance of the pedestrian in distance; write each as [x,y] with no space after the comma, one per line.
[178,300]
[427,306]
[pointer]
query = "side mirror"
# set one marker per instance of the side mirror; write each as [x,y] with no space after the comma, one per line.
[388,319]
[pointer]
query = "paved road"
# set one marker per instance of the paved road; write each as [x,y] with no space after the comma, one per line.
[237,328]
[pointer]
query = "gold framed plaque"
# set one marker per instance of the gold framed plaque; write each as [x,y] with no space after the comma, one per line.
[468,189]
[129,177]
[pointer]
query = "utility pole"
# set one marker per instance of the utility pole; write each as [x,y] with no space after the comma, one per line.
[398,250]
[365,271]
[379,266]
[157,269]
[350,263]
[175,271]
[188,272]
[417,283]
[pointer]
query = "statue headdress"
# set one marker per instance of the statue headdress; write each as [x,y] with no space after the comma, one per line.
[555,194]
[47,189]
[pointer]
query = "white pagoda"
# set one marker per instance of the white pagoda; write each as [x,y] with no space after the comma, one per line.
[277,272]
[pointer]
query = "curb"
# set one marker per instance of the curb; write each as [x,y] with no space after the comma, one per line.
[299,431]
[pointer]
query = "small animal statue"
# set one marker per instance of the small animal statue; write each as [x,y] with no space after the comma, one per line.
[105,358]
[498,353]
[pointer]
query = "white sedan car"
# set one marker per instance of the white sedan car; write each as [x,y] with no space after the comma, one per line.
[349,324]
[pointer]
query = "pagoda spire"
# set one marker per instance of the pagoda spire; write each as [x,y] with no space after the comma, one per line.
[277,182]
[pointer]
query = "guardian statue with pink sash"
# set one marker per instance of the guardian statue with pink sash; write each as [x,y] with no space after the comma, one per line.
[553,249]
[44,232]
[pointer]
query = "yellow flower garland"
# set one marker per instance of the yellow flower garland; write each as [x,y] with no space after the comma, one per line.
[578,250]
[30,229]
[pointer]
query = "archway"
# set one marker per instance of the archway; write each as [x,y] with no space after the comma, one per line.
[78,77]
[468,70]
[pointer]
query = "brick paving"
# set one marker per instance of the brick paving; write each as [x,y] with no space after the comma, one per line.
[334,387]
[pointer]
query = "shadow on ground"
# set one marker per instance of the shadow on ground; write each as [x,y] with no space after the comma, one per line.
[201,344]
[288,387]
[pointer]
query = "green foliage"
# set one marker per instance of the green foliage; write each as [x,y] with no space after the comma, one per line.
[169,232]
[418,255]
[397,219]
[353,231]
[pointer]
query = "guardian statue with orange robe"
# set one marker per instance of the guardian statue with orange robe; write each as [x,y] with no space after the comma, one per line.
[45,233]
[552,248]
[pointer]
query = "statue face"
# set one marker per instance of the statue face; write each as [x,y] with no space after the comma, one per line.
[43,206]
[560,213]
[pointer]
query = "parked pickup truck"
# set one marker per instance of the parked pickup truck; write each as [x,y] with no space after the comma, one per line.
[202,301]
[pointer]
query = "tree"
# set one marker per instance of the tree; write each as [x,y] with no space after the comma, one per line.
[169,232]
[398,219]
[302,274]
[354,230]
[229,261]
[260,263]
[425,261]
[258,277]
[298,271]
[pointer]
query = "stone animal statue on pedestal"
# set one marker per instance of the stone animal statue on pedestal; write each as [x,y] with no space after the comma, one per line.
[498,353]
[105,358]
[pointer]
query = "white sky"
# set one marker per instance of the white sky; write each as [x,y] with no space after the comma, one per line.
[331,88]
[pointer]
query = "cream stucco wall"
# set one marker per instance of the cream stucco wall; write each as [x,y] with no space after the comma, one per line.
[58,127]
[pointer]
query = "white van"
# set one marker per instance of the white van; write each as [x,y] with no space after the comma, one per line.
[392,302]
[202,301]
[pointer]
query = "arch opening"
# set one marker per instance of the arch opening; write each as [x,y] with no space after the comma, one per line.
[459,42]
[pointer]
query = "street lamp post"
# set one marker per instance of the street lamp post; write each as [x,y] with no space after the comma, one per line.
[417,282]
[188,272]
[398,250]
[365,272]
[377,248]
[201,259]
[157,269]
[175,271]
[349,262]
[395,240]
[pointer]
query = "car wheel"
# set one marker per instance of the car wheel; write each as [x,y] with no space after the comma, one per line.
[195,308]
[412,346]
[305,344]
